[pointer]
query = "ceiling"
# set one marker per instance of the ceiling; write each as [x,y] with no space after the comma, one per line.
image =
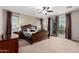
[32,10]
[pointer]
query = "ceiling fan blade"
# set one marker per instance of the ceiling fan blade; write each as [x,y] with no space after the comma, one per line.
[49,11]
[44,8]
[48,8]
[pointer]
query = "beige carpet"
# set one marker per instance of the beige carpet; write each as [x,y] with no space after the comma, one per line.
[52,45]
[23,43]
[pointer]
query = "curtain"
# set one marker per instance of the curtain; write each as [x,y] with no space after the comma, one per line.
[8,25]
[68,33]
[49,25]
[41,22]
[56,26]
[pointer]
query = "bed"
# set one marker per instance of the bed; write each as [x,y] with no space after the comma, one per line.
[32,35]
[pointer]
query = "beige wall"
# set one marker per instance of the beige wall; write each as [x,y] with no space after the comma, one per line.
[4,22]
[45,23]
[1,22]
[1,17]
[25,19]
[75,25]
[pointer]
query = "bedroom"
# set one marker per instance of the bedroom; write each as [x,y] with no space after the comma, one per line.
[29,16]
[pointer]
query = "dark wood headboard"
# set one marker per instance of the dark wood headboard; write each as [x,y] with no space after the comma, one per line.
[27,26]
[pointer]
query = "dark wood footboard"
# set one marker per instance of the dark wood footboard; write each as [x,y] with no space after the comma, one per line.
[35,37]
[39,36]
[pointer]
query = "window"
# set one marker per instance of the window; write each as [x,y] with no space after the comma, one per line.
[15,23]
[62,25]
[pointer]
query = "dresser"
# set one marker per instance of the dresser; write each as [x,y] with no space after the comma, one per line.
[10,45]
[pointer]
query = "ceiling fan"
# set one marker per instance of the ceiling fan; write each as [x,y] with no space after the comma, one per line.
[45,10]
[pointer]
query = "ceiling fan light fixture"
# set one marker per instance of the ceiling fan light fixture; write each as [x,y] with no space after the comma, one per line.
[45,10]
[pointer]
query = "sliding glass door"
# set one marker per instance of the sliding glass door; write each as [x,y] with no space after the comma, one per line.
[61,26]
[58,26]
